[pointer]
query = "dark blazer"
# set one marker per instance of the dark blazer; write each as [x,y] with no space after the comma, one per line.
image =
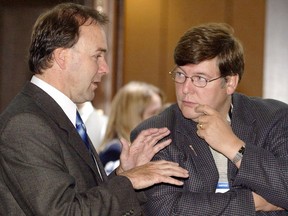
[46,168]
[262,125]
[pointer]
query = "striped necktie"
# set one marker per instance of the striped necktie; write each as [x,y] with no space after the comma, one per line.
[80,126]
[81,129]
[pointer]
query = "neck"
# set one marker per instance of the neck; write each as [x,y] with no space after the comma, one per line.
[226,107]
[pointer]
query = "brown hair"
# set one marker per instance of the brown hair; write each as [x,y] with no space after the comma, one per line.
[205,42]
[58,27]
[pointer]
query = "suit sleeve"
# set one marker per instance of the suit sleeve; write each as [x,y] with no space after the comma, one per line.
[32,160]
[264,168]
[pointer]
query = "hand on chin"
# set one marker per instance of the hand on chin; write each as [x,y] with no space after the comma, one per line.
[190,113]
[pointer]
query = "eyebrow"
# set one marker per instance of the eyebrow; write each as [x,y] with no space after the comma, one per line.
[101,50]
[196,74]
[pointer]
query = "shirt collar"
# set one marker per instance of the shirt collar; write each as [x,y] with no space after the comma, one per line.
[61,99]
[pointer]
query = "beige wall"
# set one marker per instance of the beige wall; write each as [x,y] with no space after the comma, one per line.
[145,33]
[153,27]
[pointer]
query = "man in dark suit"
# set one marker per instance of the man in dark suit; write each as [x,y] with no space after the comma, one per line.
[235,147]
[47,167]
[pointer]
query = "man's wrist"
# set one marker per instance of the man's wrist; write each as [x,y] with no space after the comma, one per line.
[239,154]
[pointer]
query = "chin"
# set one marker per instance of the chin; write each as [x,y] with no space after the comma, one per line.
[91,96]
[189,113]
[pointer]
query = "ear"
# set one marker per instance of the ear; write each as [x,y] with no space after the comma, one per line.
[231,83]
[59,55]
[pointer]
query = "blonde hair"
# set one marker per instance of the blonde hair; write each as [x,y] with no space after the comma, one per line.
[127,109]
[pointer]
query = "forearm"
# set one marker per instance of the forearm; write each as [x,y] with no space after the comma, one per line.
[265,174]
[238,202]
[140,194]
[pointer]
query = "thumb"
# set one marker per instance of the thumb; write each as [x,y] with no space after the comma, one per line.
[123,156]
[125,144]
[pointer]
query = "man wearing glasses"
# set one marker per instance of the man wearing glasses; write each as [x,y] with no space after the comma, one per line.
[235,147]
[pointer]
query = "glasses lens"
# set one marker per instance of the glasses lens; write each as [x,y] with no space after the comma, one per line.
[199,81]
[178,76]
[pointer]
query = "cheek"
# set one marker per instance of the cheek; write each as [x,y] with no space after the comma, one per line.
[215,98]
[178,91]
[89,71]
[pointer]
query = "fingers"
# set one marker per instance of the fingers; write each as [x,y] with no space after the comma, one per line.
[151,136]
[149,143]
[168,168]
[206,112]
[153,131]
[125,144]
[154,173]
[161,146]
[171,181]
[143,149]
[205,109]
[164,172]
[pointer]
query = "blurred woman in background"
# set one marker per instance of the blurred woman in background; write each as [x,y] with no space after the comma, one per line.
[133,103]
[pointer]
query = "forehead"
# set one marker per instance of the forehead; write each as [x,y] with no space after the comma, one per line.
[92,35]
[209,67]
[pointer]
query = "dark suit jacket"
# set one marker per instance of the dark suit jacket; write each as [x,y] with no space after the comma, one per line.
[46,168]
[262,125]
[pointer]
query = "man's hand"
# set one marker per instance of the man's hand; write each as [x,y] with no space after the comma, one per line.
[262,205]
[217,132]
[155,172]
[142,150]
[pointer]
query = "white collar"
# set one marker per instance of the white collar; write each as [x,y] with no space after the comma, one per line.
[61,99]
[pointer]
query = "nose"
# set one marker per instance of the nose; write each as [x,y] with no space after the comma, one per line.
[188,87]
[103,67]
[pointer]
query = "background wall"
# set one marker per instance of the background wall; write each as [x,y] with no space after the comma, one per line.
[153,27]
[276,51]
[142,37]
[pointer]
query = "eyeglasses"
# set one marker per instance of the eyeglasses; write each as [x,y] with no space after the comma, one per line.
[179,76]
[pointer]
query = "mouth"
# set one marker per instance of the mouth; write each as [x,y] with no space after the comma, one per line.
[95,84]
[189,103]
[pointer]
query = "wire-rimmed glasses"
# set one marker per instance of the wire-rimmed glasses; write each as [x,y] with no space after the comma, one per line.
[179,76]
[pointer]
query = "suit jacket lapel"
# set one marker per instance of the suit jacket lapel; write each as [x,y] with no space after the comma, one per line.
[98,161]
[54,111]
[242,121]
[201,155]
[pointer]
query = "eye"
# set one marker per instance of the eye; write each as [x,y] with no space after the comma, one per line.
[179,74]
[98,56]
[199,79]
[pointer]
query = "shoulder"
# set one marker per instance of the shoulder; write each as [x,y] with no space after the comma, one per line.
[32,109]
[167,118]
[260,104]
[22,108]
[163,119]
[259,108]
